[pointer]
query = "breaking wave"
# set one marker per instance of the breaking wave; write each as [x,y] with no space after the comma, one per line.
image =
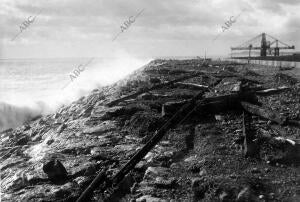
[13,116]
[14,112]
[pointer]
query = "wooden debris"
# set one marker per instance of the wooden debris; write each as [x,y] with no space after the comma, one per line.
[169,107]
[213,104]
[264,113]
[233,74]
[272,91]
[285,68]
[288,150]
[181,110]
[133,95]
[88,192]
[192,85]
[180,115]
[251,149]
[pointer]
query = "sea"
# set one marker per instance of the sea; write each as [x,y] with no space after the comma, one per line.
[33,87]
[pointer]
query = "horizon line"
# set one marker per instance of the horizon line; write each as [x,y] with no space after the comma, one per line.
[72,57]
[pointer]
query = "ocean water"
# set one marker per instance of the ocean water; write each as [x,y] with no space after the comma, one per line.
[35,78]
[30,87]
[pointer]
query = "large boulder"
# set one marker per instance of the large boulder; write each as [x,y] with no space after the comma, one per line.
[55,170]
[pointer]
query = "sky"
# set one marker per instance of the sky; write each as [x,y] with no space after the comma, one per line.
[86,28]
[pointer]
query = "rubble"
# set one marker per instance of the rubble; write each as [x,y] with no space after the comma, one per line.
[175,130]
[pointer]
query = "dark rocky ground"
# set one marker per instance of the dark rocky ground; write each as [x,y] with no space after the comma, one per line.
[200,159]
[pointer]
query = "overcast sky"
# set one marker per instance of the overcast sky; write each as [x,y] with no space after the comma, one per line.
[86,28]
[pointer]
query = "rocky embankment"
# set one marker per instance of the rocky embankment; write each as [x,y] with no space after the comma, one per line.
[55,157]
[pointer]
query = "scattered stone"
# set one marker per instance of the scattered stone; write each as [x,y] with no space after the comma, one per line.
[153,172]
[104,127]
[56,115]
[49,142]
[134,188]
[95,151]
[198,188]
[244,195]
[149,198]
[176,166]
[271,195]
[122,189]
[203,172]
[126,184]
[168,183]
[81,181]
[155,80]
[194,168]
[23,140]
[150,157]
[64,190]
[61,128]
[219,118]
[191,158]
[90,170]
[26,127]
[255,170]
[141,166]
[55,170]
[196,182]
[17,181]
[37,138]
[224,196]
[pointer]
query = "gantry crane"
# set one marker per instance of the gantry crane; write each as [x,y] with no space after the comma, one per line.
[266,47]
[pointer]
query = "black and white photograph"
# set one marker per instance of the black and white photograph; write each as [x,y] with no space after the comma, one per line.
[149,100]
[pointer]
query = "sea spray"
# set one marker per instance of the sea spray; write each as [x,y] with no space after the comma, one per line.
[19,107]
[12,116]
